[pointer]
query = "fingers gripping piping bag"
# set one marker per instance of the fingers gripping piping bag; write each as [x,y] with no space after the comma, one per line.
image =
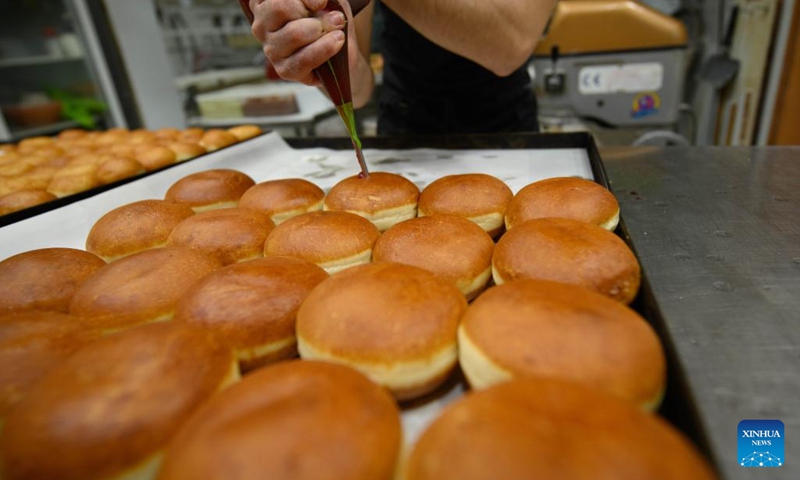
[335,76]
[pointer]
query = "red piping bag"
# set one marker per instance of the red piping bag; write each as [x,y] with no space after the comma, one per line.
[335,77]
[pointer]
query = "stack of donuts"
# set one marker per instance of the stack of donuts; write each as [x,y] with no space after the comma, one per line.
[40,169]
[243,329]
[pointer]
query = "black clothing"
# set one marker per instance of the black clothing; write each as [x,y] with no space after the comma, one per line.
[429,90]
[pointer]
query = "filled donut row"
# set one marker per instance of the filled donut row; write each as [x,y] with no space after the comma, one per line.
[40,169]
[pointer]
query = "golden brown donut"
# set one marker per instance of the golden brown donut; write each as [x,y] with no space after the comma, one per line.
[450,247]
[252,306]
[32,143]
[37,160]
[216,138]
[167,133]
[123,150]
[31,344]
[230,234]
[22,199]
[152,157]
[477,197]
[141,288]
[39,178]
[71,134]
[114,168]
[45,154]
[333,240]
[245,132]
[14,169]
[110,410]
[73,179]
[141,136]
[568,251]
[112,137]
[292,421]
[11,156]
[44,279]
[394,323]
[534,328]
[210,189]
[90,158]
[135,227]
[193,135]
[564,197]
[383,198]
[283,199]
[185,150]
[551,429]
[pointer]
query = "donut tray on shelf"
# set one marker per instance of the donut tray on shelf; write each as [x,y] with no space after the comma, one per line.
[517,159]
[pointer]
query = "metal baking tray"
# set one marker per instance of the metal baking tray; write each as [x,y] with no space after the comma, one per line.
[17,216]
[325,161]
[678,406]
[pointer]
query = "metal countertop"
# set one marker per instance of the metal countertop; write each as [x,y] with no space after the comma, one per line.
[717,231]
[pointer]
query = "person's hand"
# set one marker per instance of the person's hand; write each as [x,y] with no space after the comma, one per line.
[298,36]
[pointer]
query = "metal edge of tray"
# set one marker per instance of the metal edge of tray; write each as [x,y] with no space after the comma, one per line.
[679,405]
[20,215]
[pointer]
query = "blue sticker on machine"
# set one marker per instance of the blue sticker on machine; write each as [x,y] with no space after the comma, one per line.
[761,443]
[645,104]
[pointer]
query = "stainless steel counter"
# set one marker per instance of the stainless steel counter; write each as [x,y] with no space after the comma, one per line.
[717,231]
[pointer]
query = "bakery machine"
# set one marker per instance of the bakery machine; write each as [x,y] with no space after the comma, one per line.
[613,64]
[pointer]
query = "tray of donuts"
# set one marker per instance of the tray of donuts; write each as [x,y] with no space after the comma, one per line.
[374,329]
[41,173]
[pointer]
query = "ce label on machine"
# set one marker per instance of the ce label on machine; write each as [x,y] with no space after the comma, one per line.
[628,78]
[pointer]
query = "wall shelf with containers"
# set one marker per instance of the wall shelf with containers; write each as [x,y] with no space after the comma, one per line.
[53,74]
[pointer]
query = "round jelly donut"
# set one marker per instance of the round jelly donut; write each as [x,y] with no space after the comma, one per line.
[153,156]
[333,240]
[295,420]
[73,179]
[192,134]
[568,251]
[110,410]
[22,199]
[115,168]
[535,328]
[283,199]
[395,323]
[210,189]
[477,197]
[384,199]
[245,132]
[552,429]
[230,234]
[135,227]
[451,247]
[142,288]
[31,344]
[252,306]
[45,279]
[185,150]
[564,197]
[216,138]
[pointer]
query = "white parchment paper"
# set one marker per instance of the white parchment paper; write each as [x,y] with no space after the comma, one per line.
[268,157]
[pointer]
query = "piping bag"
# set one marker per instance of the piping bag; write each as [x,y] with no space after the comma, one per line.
[335,77]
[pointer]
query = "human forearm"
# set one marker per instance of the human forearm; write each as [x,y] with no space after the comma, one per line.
[362,80]
[497,34]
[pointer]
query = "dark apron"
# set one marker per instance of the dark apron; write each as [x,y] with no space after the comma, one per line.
[429,90]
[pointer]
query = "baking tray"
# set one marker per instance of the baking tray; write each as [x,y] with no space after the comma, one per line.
[517,159]
[19,215]
[678,406]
